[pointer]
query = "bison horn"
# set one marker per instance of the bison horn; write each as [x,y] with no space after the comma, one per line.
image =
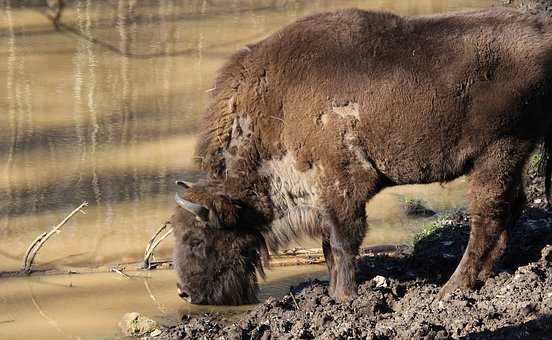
[184,184]
[197,209]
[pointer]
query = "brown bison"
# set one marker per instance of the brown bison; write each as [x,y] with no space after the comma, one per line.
[307,125]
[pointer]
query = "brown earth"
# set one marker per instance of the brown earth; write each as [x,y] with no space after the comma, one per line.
[397,293]
[543,7]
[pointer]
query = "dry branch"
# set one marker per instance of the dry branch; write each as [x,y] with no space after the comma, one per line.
[120,272]
[153,243]
[33,249]
[294,301]
[31,246]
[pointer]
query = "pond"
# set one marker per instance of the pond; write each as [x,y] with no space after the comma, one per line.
[104,109]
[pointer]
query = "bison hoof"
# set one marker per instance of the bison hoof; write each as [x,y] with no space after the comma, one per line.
[453,285]
[445,292]
[343,297]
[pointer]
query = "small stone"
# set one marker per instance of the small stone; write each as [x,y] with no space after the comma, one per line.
[381,282]
[528,308]
[135,324]
[156,332]
[414,207]
[537,201]
[547,254]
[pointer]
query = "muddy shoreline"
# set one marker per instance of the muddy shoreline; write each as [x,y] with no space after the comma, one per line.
[398,289]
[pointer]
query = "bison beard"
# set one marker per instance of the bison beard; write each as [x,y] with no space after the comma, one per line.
[307,125]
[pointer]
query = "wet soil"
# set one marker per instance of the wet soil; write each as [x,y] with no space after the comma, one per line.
[397,296]
[542,7]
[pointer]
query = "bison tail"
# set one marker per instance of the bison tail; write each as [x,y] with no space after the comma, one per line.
[546,166]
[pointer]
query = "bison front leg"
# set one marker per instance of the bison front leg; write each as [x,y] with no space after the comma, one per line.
[344,244]
[346,191]
[347,226]
[330,263]
[496,201]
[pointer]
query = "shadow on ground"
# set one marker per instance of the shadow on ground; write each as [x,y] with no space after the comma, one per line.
[540,328]
[435,256]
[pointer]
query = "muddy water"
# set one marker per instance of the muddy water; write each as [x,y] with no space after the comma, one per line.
[88,306]
[105,110]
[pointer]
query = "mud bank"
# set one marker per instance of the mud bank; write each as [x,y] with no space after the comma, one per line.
[397,295]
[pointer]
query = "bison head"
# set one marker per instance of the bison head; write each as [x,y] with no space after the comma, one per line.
[217,252]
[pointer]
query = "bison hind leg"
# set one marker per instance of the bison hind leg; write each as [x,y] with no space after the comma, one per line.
[330,263]
[496,199]
[500,245]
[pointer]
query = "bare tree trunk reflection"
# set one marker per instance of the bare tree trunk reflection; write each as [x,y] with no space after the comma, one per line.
[10,94]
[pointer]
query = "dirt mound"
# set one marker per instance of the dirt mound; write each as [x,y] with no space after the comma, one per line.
[397,295]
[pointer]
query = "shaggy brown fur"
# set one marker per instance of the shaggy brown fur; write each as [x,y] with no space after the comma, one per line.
[306,126]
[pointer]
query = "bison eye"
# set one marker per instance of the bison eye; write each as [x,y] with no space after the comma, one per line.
[197,247]
[195,242]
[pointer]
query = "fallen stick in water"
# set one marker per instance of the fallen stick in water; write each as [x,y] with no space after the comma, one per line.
[33,249]
[120,272]
[153,243]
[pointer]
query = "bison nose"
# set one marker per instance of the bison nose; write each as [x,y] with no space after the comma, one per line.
[183,293]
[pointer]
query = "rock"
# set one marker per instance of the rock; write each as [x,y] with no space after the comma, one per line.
[547,254]
[417,208]
[156,332]
[381,282]
[135,324]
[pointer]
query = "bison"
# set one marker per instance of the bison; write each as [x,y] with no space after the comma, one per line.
[305,126]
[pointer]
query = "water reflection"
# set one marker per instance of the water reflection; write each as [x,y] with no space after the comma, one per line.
[105,110]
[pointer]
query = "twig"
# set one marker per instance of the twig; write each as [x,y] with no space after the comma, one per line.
[7,321]
[31,246]
[153,243]
[152,239]
[147,263]
[294,301]
[161,262]
[278,118]
[39,241]
[116,270]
